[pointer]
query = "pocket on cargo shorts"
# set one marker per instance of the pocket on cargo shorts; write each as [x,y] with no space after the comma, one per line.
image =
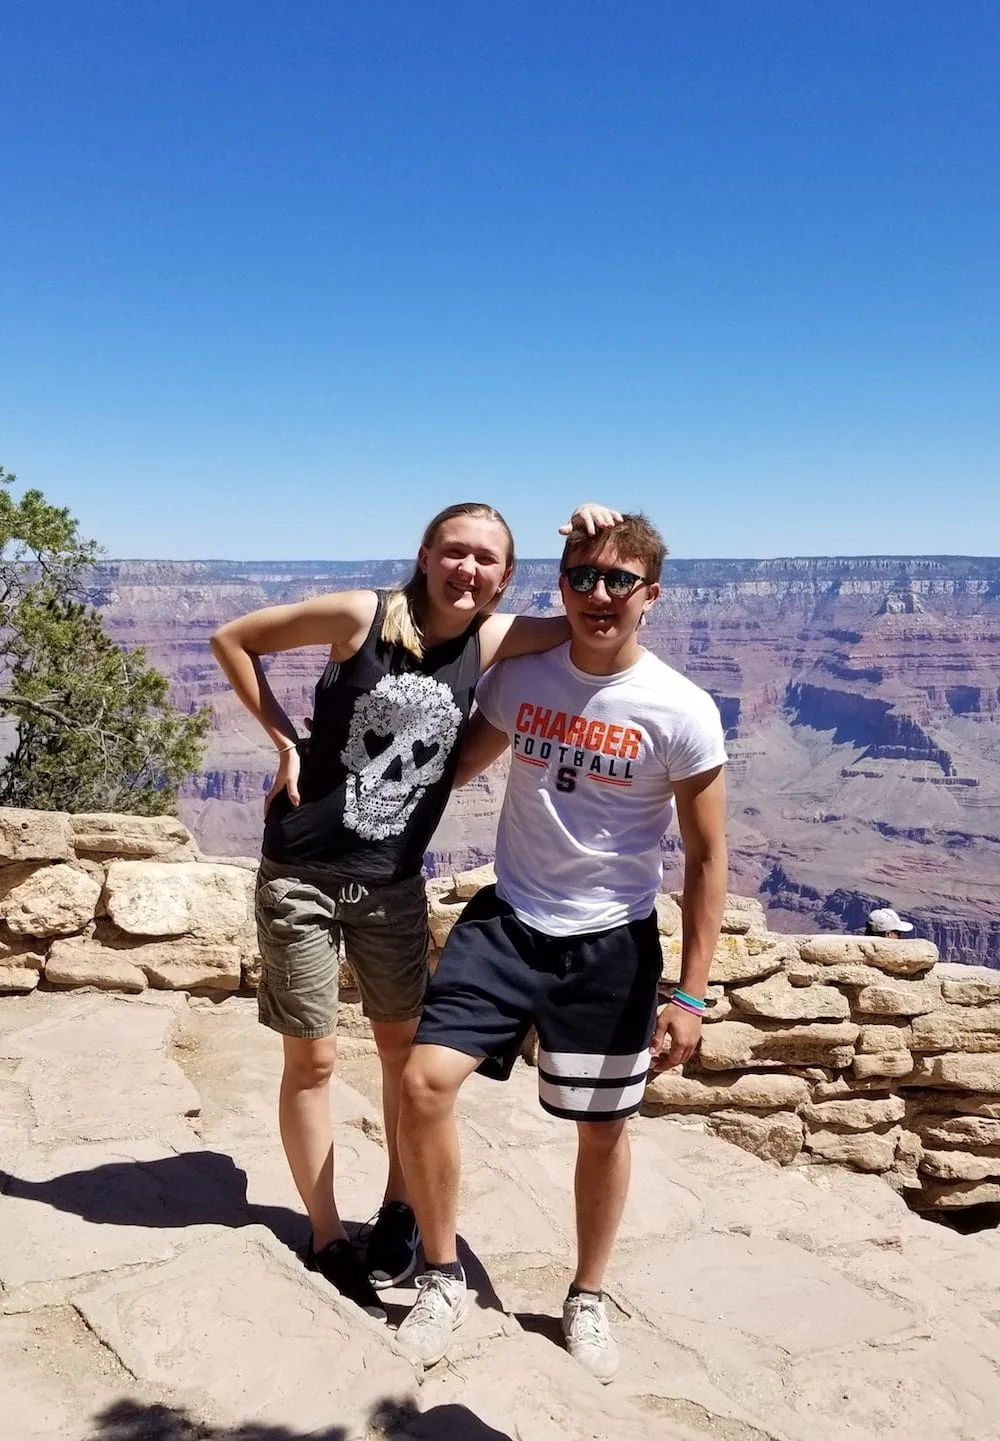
[296,932]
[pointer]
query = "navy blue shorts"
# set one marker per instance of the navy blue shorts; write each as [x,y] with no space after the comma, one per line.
[592,998]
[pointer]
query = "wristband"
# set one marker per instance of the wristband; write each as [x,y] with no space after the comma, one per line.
[691,1000]
[698,1011]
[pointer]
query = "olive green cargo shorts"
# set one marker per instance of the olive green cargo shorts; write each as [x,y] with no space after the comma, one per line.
[308,922]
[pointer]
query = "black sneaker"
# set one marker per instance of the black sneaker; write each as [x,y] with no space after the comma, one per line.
[338,1263]
[392,1245]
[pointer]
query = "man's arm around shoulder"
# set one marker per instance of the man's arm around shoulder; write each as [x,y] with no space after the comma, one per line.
[701,816]
[483,744]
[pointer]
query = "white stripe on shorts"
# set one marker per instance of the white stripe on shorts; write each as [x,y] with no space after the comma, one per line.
[596,1101]
[593,1067]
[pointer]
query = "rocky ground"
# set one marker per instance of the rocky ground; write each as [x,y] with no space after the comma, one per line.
[151,1291]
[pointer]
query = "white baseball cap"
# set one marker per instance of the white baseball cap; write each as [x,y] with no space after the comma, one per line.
[887,920]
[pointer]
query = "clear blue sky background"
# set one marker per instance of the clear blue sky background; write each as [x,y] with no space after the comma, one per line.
[282,279]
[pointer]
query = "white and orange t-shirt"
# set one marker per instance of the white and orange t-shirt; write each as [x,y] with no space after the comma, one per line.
[590,794]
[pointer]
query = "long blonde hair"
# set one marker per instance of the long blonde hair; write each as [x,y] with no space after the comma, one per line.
[405,618]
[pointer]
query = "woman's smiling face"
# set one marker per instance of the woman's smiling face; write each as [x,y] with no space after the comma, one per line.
[466,564]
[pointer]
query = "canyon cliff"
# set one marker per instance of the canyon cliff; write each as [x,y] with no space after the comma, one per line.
[860,696]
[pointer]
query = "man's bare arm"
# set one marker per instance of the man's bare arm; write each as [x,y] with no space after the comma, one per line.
[483,744]
[701,816]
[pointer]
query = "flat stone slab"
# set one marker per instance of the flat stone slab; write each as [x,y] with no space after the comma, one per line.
[57,1378]
[75,1210]
[496,1214]
[251,1336]
[533,1391]
[663,1202]
[59,1027]
[924,1387]
[89,1100]
[766,1289]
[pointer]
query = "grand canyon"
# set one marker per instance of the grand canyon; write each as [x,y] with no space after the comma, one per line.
[860,696]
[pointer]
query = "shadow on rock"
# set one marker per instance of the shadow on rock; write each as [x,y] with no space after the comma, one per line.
[393,1420]
[197,1188]
[541,1325]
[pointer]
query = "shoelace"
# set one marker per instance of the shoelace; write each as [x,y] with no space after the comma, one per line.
[365,1230]
[432,1296]
[590,1321]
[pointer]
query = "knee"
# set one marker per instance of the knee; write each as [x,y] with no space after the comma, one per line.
[394,1044]
[601,1138]
[309,1064]
[427,1091]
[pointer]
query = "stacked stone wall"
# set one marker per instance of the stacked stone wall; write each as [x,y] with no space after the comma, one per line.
[816,1049]
[830,1049]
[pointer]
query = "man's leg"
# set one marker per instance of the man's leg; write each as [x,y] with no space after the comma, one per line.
[603,1167]
[478,1006]
[594,1028]
[428,1144]
[394,1040]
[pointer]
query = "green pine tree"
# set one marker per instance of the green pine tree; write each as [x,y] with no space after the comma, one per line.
[94,727]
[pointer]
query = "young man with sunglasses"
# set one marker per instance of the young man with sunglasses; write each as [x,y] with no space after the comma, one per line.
[606,742]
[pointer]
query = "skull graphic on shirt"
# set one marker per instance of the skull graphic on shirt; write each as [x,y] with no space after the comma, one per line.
[401,735]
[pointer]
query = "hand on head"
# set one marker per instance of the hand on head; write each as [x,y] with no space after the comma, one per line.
[591,518]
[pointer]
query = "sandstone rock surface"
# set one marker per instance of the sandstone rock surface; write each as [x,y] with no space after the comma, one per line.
[775,999]
[733,1044]
[789,1289]
[34,835]
[898,998]
[150,898]
[55,900]
[86,963]
[672,1091]
[147,837]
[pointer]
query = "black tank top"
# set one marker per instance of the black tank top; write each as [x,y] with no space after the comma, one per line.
[378,766]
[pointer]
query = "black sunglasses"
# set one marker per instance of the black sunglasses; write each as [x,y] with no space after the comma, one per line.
[617,582]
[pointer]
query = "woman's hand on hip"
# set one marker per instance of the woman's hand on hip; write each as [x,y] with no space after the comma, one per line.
[286,778]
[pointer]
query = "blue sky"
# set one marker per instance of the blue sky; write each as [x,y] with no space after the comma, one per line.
[281,280]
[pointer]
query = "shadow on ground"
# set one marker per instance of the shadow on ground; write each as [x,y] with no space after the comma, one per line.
[396,1421]
[196,1188]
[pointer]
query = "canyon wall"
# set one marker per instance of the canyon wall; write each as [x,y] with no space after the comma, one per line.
[861,698]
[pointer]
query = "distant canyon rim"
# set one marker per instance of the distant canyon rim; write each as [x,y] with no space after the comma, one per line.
[860,696]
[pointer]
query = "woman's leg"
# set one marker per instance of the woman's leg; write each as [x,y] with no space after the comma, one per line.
[394,1040]
[307,1131]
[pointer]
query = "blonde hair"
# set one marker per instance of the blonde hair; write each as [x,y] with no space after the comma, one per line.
[405,616]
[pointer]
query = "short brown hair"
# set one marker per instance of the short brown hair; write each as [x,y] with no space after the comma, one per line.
[633,537]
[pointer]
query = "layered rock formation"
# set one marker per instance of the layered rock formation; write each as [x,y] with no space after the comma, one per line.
[817,1049]
[861,698]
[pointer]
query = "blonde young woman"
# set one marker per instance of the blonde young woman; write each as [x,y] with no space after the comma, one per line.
[347,822]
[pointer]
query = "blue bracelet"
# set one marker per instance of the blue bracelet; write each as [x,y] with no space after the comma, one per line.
[691,1000]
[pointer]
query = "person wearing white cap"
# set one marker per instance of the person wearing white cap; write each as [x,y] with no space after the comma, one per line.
[887,923]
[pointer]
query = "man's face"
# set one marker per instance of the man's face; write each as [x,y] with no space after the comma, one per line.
[598,617]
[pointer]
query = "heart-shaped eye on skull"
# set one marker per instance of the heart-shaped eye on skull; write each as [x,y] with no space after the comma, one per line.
[399,741]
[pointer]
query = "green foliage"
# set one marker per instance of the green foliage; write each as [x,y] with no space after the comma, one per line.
[95,730]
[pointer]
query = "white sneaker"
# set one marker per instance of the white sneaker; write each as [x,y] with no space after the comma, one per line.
[441,1306]
[588,1336]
